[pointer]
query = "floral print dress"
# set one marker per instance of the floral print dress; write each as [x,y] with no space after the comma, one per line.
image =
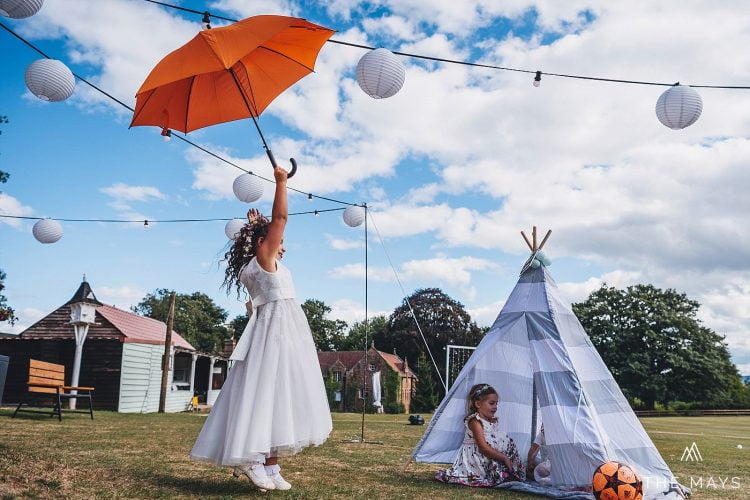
[472,468]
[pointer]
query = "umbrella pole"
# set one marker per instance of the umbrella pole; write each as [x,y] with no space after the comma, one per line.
[257,127]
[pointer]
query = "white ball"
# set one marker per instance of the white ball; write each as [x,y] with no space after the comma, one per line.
[248,188]
[47,231]
[679,107]
[739,446]
[50,80]
[354,216]
[380,73]
[535,264]
[233,228]
[18,9]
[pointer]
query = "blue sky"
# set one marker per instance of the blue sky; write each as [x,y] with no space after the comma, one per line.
[453,166]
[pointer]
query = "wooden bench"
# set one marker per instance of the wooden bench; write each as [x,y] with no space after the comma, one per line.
[49,378]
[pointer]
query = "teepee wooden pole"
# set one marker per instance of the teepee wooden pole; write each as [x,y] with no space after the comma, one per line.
[545,239]
[533,238]
[527,241]
[406,464]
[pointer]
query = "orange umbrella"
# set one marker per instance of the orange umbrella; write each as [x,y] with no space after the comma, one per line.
[229,73]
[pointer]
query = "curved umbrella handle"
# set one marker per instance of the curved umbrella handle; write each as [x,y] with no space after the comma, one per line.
[275,165]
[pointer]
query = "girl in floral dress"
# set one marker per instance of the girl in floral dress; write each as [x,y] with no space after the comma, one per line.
[488,456]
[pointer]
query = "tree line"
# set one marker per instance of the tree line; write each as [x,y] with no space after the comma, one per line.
[652,341]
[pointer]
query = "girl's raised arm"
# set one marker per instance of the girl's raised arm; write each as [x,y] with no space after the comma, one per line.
[267,252]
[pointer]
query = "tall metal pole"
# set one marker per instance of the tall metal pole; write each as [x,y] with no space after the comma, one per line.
[167,354]
[364,378]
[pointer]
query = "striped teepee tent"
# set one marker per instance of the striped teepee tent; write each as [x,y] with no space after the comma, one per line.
[546,370]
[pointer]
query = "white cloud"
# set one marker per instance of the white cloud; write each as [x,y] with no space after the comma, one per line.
[121,296]
[351,311]
[485,315]
[12,206]
[26,317]
[428,272]
[343,244]
[397,27]
[124,192]
[243,8]
[578,292]
[357,271]
[725,308]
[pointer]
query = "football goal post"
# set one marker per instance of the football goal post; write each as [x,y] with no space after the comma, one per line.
[456,357]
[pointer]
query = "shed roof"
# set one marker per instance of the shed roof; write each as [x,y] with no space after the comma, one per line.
[84,294]
[140,329]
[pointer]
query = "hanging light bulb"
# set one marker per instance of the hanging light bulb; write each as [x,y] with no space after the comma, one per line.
[317,214]
[166,133]
[145,223]
[538,79]
[309,196]
[206,22]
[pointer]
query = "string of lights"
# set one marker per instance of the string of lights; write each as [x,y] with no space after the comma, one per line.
[151,221]
[207,16]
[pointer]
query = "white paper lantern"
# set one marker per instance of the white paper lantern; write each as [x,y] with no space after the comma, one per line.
[354,216]
[50,80]
[47,231]
[679,107]
[248,188]
[380,73]
[233,227]
[535,264]
[18,9]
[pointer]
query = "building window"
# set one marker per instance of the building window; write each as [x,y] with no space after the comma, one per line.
[337,396]
[337,376]
[181,375]
[372,367]
[360,392]
[217,378]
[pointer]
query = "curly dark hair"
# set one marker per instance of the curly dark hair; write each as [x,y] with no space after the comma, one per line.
[242,252]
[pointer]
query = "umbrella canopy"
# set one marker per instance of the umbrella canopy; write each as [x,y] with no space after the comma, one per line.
[228,73]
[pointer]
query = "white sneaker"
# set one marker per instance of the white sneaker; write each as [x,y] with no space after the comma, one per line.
[257,475]
[280,482]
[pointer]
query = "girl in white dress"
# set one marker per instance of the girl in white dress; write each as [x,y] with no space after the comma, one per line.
[487,456]
[273,403]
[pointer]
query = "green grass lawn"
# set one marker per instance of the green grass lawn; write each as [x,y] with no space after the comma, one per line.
[124,455]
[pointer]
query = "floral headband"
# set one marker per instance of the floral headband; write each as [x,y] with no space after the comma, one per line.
[254,220]
[480,390]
